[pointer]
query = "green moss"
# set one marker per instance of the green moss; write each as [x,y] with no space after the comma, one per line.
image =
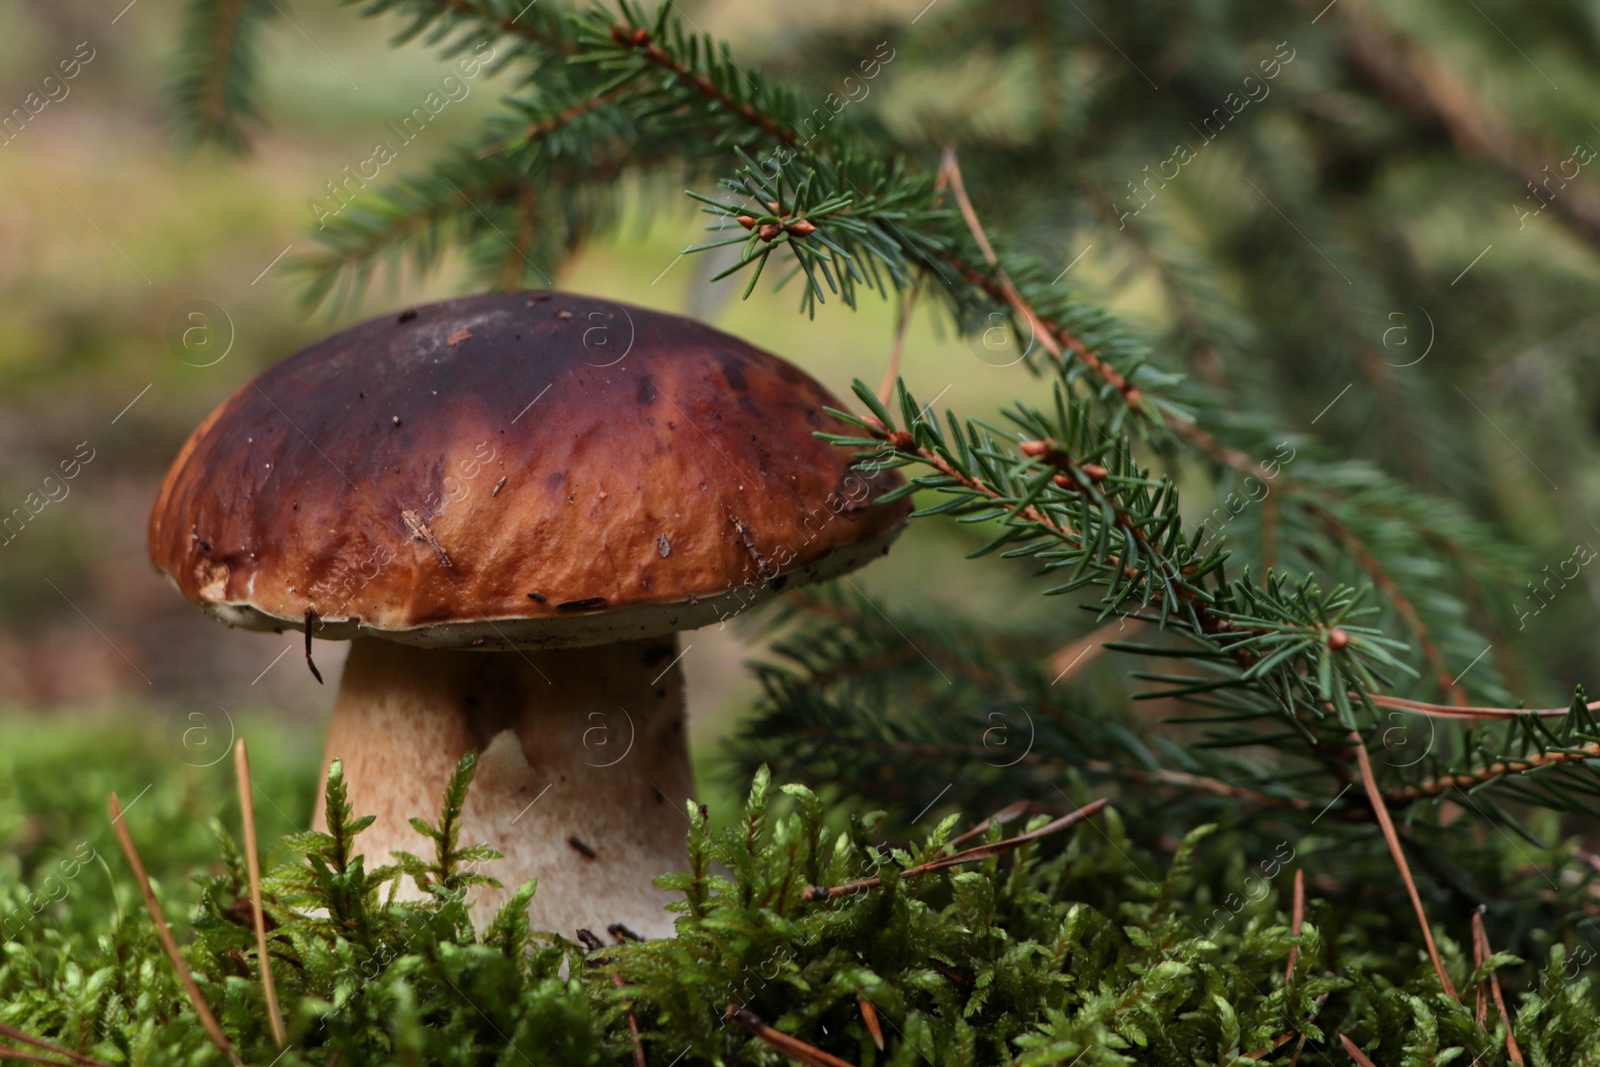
[1075,947]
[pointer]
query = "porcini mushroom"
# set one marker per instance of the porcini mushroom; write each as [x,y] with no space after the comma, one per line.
[510,504]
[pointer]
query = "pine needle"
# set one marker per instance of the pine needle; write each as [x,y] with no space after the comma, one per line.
[1296,919]
[869,1015]
[1008,814]
[241,763]
[1355,1053]
[791,1047]
[25,1057]
[38,1042]
[1480,941]
[164,932]
[1381,810]
[971,855]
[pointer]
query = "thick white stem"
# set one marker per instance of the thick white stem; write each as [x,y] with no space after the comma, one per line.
[583,769]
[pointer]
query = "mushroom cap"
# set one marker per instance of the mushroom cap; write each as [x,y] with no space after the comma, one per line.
[515,470]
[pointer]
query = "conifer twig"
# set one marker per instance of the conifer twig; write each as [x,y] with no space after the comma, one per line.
[26,1038]
[1480,940]
[971,855]
[1469,780]
[164,933]
[247,809]
[1052,337]
[640,40]
[1381,810]
[542,128]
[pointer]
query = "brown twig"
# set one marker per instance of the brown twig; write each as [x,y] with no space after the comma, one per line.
[640,40]
[971,855]
[164,933]
[1269,532]
[511,274]
[1468,780]
[224,53]
[1480,941]
[1054,339]
[791,1047]
[247,808]
[1381,810]
[38,1042]
[547,126]
[1355,1053]
[513,25]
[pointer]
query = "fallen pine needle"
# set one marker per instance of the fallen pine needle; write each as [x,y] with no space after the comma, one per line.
[1007,814]
[164,932]
[38,1042]
[1297,919]
[241,763]
[1481,945]
[1355,1053]
[869,1015]
[1480,1008]
[791,1047]
[633,1025]
[1381,810]
[26,1057]
[971,855]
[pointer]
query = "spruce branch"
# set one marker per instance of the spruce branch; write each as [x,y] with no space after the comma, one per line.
[1425,89]
[213,91]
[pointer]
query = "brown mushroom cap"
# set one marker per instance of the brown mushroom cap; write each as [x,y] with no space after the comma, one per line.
[515,469]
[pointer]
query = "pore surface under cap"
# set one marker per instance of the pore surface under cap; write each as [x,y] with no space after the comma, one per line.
[529,469]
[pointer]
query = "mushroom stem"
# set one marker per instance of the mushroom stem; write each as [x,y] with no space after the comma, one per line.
[583,769]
